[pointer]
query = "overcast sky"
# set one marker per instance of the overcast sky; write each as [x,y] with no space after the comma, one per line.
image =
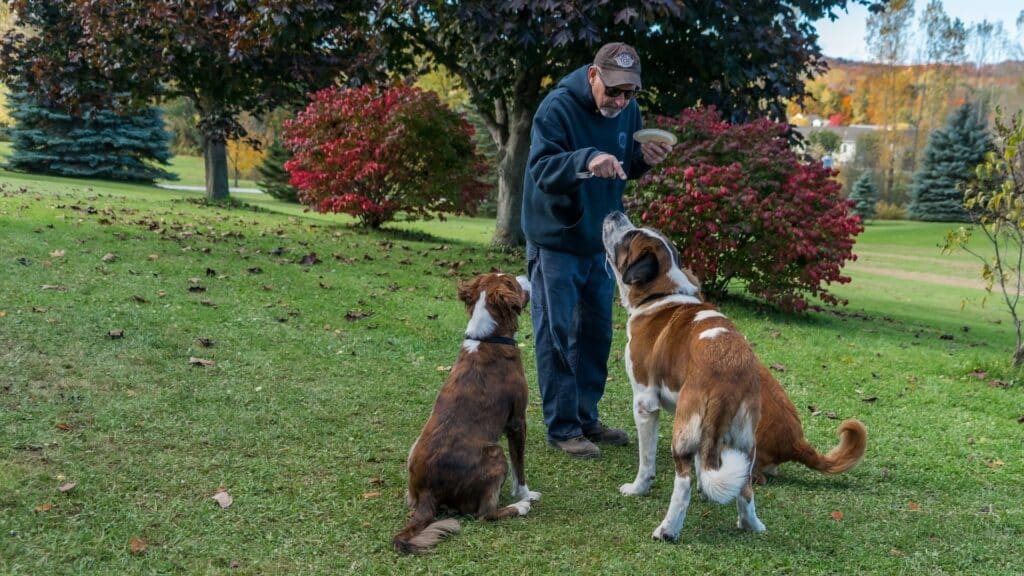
[844,38]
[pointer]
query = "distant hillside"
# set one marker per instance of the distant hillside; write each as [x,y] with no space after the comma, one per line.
[923,94]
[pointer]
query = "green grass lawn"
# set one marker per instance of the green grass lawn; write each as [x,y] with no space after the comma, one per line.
[189,169]
[325,373]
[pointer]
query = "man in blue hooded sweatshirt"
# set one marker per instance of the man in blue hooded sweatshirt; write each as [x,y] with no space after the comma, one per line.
[581,154]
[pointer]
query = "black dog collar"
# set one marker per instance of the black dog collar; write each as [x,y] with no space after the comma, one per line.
[493,340]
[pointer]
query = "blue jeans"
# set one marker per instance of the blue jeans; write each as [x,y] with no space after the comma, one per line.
[571,306]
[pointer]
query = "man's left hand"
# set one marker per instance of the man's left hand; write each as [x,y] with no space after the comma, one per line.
[655,152]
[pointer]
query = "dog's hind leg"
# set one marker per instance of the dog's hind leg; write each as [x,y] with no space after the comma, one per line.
[646,408]
[494,467]
[516,433]
[746,514]
[686,436]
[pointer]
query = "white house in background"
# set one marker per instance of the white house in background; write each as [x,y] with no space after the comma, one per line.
[809,120]
[848,138]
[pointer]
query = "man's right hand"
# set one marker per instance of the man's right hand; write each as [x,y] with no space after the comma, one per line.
[606,166]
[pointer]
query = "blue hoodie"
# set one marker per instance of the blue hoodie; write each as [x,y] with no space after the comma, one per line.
[560,211]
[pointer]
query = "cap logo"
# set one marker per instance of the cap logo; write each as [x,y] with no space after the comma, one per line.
[624,60]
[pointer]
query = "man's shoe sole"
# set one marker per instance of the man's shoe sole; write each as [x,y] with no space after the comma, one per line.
[580,455]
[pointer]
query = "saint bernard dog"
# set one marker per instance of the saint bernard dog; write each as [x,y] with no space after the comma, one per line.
[457,464]
[733,421]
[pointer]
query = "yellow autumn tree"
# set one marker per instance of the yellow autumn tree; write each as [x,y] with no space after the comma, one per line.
[243,159]
[5,24]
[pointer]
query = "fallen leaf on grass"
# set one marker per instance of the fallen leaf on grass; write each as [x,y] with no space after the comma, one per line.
[116,333]
[309,259]
[377,481]
[325,286]
[353,315]
[137,545]
[897,552]
[43,508]
[869,399]
[57,254]
[153,257]
[205,342]
[993,464]
[368,495]
[979,374]
[139,299]
[444,368]
[67,487]
[1001,384]
[837,515]
[913,506]
[64,427]
[778,367]
[209,303]
[222,498]
[986,509]
[109,257]
[814,409]
[200,361]
[56,287]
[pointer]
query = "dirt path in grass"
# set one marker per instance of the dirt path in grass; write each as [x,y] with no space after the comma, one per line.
[919,276]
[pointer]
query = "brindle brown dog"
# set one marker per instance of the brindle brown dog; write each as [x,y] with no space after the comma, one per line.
[457,463]
[682,352]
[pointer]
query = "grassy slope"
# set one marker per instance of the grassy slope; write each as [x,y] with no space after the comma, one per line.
[189,169]
[307,416]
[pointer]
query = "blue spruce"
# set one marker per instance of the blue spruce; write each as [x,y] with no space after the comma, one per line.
[100,144]
[865,196]
[949,159]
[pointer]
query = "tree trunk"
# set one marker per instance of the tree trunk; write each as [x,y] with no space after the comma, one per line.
[508,232]
[1018,356]
[215,159]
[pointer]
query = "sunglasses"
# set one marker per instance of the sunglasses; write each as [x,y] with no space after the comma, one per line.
[613,92]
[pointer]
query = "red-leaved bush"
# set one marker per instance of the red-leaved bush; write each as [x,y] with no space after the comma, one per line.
[740,205]
[372,152]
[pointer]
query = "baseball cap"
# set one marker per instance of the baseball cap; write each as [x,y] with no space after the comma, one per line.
[619,64]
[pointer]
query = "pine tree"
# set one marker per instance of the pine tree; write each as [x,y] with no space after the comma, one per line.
[865,195]
[273,177]
[949,159]
[100,144]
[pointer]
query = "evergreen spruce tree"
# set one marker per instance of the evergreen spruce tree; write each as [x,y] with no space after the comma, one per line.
[101,144]
[865,195]
[949,159]
[273,177]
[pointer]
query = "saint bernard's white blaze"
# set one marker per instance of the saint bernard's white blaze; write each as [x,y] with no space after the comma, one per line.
[712,333]
[705,314]
[675,274]
[481,324]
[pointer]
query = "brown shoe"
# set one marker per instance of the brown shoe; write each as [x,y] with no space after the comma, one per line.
[578,447]
[605,435]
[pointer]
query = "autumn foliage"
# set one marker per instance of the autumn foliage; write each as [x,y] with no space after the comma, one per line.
[373,152]
[741,206]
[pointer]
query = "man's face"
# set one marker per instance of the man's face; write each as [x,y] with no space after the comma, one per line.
[611,100]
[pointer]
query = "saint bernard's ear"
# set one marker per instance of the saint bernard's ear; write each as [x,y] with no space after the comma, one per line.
[642,270]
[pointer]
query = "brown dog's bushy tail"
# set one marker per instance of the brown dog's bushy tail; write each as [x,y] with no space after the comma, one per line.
[422,532]
[853,441]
